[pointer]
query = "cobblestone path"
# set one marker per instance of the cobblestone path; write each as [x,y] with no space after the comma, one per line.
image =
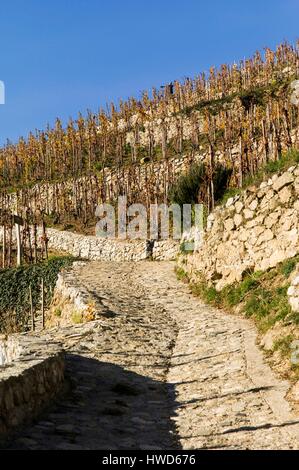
[163,372]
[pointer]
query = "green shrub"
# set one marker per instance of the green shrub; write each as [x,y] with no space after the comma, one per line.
[198,289]
[235,294]
[231,192]
[181,274]
[208,293]
[77,318]
[274,166]
[186,189]
[212,296]
[288,266]
[14,290]
[57,312]
[258,303]
[294,318]
[191,188]
[283,345]
[255,96]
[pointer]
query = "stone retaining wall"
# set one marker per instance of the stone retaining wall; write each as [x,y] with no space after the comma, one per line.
[142,182]
[30,377]
[95,248]
[71,301]
[293,291]
[165,250]
[10,351]
[253,231]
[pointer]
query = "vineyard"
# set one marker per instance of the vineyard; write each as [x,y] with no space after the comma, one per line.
[240,116]
[217,130]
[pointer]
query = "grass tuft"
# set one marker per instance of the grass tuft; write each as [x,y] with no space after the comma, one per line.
[287,267]
[284,345]
[77,318]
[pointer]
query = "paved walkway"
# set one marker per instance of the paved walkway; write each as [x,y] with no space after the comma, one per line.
[164,372]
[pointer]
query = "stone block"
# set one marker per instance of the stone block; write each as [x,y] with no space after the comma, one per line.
[239,206]
[285,195]
[283,180]
[248,214]
[238,219]
[253,205]
[229,224]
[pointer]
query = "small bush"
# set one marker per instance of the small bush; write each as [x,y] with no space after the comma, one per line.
[198,289]
[288,266]
[274,166]
[212,296]
[208,293]
[181,274]
[236,293]
[283,345]
[57,312]
[294,318]
[255,96]
[257,304]
[232,296]
[186,189]
[77,318]
[232,192]
[192,187]
[291,157]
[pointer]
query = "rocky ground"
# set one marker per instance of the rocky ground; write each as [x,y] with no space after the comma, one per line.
[161,371]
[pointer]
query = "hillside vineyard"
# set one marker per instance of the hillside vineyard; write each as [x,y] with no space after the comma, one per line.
[241,115]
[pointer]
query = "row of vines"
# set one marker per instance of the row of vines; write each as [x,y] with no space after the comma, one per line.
[24,238]
[240,115]
[166,121]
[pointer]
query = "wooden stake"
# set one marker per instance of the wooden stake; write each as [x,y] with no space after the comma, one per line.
[35,243]
[45,239]
[9,245]
[19,244]
[31,309]
[4,247]
[43,304]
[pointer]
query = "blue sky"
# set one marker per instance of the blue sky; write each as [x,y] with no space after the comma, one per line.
[59,57]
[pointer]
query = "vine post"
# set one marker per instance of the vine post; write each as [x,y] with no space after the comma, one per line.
[31,309]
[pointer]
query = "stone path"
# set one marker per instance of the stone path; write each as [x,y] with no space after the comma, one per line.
[164,372]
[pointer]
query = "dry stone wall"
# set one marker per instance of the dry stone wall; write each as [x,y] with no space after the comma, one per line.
[30,378]
[72,302]
[107,249]
[293,291]
[253,231]
[96,248]
[142,183]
